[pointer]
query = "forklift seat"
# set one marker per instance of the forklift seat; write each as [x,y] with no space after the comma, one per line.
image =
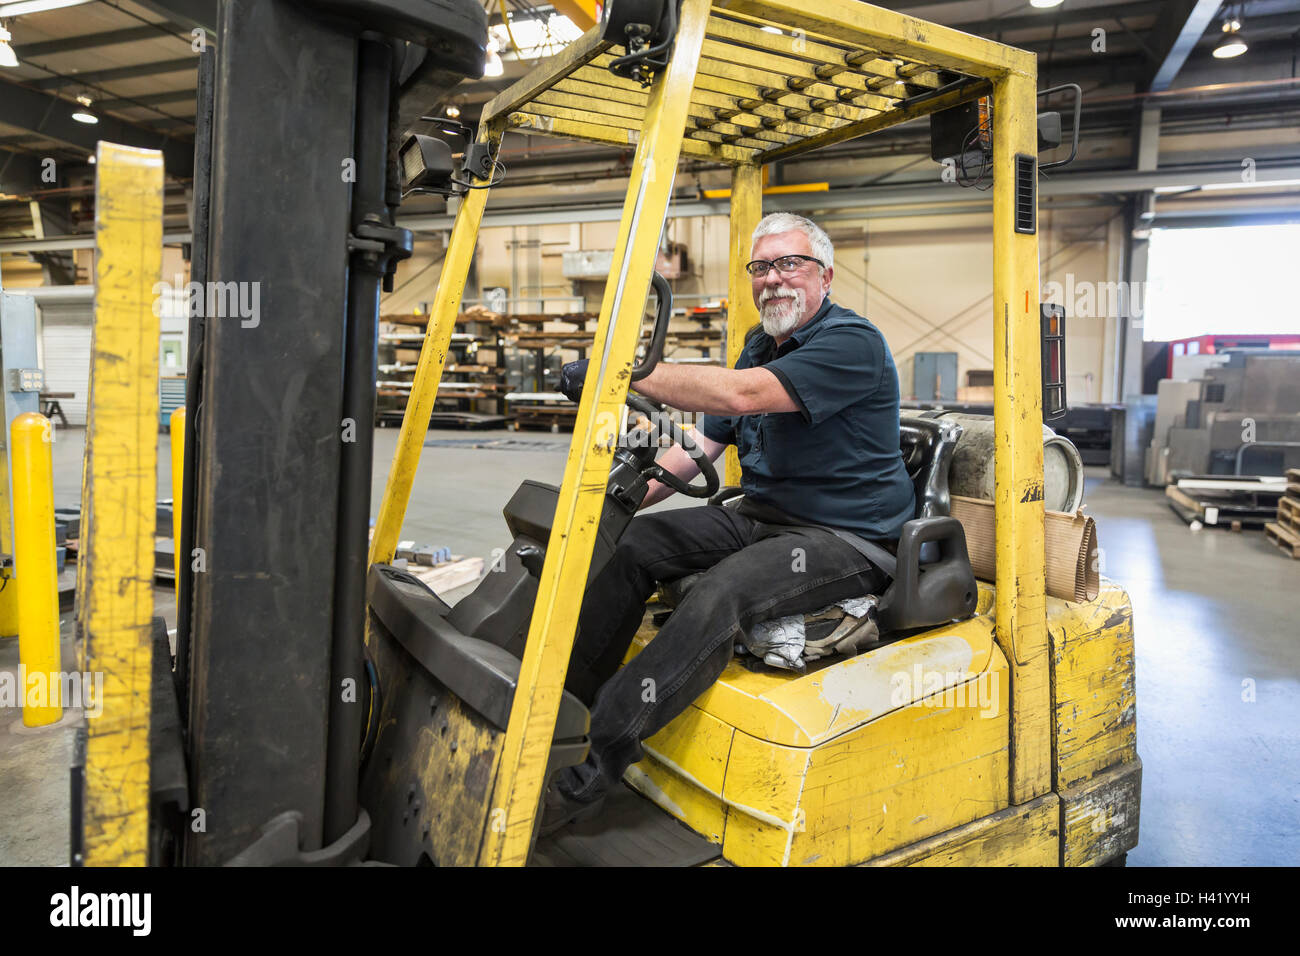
[932,580]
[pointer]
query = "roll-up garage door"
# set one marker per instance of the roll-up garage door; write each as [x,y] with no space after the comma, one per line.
[65,340]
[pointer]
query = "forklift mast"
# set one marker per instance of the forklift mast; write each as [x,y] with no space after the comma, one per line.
[296,186]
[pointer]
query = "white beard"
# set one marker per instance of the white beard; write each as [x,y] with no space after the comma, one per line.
[781,312]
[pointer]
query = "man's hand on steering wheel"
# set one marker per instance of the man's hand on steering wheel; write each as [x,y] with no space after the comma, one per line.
[572,376]
[660,423]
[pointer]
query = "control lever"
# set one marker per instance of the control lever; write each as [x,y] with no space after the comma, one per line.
[664,294]
[532,558]
[574,375]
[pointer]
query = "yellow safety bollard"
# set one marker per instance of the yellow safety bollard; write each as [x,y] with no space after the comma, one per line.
[8,600]
[177,426]
[31,436]
[8,583]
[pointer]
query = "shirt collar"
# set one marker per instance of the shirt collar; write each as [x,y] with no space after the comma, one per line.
[800,335]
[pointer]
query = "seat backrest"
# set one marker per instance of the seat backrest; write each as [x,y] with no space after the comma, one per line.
[927,445]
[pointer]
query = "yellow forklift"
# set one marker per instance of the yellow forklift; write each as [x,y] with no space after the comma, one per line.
[301,723]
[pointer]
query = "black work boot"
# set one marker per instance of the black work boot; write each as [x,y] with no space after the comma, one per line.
[559,810]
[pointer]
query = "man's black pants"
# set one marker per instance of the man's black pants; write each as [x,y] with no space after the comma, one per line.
[756,572]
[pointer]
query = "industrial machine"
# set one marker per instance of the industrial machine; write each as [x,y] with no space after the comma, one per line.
[1238,417]
[326,708]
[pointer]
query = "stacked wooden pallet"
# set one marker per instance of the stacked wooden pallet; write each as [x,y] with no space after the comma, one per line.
[541,410]
[1225,501]
[1285,533]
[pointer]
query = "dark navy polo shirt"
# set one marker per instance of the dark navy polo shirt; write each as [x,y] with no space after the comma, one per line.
[835,461]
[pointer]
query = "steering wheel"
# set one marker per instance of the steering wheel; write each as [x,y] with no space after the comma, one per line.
[658,420]
[654,411]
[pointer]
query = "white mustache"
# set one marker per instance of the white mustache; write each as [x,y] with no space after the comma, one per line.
[780,310]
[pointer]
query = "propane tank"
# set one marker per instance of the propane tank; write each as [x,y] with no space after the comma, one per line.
[971,474]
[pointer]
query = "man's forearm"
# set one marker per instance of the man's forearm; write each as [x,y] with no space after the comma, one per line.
[695,388]
[681,464]
[657,493]
[716,391]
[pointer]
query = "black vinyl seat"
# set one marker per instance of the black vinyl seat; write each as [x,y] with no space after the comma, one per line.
[933,581]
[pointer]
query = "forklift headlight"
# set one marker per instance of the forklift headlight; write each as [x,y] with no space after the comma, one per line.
[426,165]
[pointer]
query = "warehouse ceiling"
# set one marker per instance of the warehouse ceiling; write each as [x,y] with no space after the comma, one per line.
[134,60]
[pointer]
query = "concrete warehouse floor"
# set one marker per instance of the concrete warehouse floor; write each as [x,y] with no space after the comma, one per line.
[1218,663]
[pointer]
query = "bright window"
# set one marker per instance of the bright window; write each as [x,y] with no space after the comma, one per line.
[1215,281]
[537,38]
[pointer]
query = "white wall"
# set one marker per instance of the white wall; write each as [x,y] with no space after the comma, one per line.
[925,281]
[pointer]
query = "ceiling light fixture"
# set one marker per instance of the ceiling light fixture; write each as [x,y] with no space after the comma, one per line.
[7,55]
[21,7]
[453,111]
[1232,43]
[1045,4]
[84,114]
[492,65]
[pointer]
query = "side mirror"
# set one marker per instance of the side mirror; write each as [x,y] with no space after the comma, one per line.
[1050,134]
[1049,131]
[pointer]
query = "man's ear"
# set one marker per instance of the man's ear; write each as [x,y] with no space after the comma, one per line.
[827,275]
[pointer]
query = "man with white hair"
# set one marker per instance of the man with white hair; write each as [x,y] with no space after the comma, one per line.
[812,408]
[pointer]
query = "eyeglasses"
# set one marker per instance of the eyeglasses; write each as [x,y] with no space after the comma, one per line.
[786,265]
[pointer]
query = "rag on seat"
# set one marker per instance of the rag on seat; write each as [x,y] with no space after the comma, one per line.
[840,628]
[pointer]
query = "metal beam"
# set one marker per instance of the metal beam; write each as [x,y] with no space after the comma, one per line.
[92,41]
[1223,217]
[584,13]
[58,293]
[874,200]
[189,13]
[149,99]
[76,242]
[1176,32]
[20,173]
[877,197]
[118,73]
[59,268]
[51,117]
[167,122]
[1141,210]
[1063,16]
